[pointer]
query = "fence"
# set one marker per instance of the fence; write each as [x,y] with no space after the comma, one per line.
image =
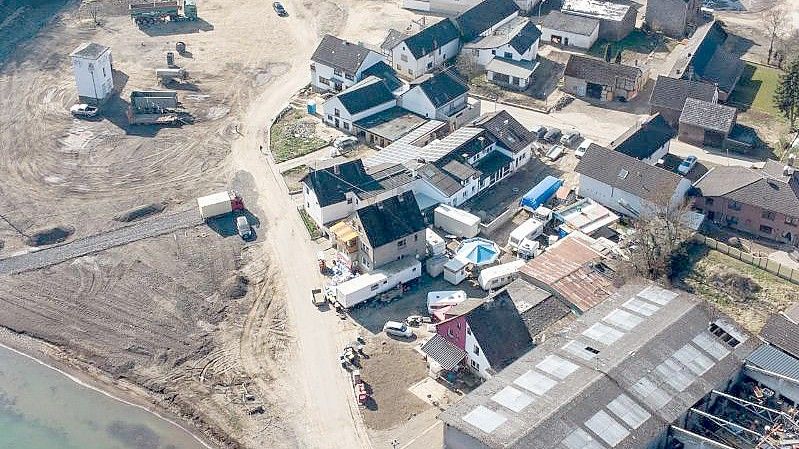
[764,263]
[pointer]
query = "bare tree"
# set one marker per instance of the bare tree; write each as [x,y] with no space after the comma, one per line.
[775,21]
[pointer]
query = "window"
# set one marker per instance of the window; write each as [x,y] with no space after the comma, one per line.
[349,77]
[374,287]
[734,205]
[768,215]
[410,72]
[515,81]
[592,350]
[450,334]
[349,200]
[404,58]
[508,55]
[475,365]
[732,220]
[468,331]
[401,243]
[324,81]
[766,229]
[313,67]
[416,237]
[337,72]
[494,52]
[103,71]
[430,65]
[791,221]
[346,125]
[476,350]
[337,112]
[716,330]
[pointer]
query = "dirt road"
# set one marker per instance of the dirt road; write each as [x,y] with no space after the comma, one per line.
[313,374]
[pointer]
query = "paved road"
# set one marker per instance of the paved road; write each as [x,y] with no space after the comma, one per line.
[152,227]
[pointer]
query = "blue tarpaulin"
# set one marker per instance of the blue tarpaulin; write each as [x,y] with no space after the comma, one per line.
[541,193]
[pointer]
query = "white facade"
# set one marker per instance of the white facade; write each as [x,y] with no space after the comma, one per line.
[91,64]
[565,38]
[483,56]
[624,202]
[337,211]
[367,286]
[496,26]
[408,66]
[325,78]
[476,359]
[337,116]
[456,113]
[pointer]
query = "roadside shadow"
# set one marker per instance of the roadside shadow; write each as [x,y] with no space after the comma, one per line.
[173,28]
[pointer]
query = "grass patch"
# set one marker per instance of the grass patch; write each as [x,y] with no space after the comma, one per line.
[637,41]
[291,137]
[310,225]
[293,176]
[775,293]
[756,88]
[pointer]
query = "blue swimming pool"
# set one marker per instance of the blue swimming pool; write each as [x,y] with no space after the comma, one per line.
[478,251]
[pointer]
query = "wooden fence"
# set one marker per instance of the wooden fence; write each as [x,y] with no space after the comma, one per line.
[764,263]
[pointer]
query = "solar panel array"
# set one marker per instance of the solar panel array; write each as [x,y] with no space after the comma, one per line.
[403,150]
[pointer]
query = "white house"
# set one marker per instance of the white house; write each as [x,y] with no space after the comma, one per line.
[567,30]
[93,75]
[627,185]
[338,64]
[516,40]
[647,141]
[333,193]
[516,75]
[424,51]
[441,97]
[365,98]
[485,18]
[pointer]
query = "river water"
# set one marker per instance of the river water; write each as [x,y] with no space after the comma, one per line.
[40,408]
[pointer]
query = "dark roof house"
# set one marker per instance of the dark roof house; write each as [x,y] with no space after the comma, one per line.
[391,219]
[483,16]
[506,130]
[340,54]
[499,330]
[644,140]
[369,93]
[782,330]
[385,73]
[707,115]
[706,58]
[431,38]
[525,37]
[331,185]
[538,308]
[442,87]
[599,71]
[669,95]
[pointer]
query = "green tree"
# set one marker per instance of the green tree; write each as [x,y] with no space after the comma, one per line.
[786,96]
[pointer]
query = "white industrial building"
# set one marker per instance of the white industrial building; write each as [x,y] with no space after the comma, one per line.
[93,75]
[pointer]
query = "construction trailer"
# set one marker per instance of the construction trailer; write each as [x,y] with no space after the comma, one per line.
[150,12]
[456,221]
[368,285]
[541,193]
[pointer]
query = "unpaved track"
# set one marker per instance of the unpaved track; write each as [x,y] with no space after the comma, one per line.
[152,227]
[313,375]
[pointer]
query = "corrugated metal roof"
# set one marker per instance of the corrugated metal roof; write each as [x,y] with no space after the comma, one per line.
[443,352]
[772,359]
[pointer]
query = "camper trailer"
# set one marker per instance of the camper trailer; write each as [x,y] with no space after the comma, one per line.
[531,229]
[499,275]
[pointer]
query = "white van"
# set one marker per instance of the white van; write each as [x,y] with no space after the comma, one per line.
[530,229]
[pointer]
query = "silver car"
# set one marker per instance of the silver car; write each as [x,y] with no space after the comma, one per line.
[243,227]
[397,329]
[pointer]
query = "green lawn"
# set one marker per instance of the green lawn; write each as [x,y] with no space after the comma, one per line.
[756,89]
[285,145]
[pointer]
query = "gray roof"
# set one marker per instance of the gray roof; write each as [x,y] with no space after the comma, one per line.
[614,378]
[519,69]
[431,38]
[393,39]
[705,58]
[539,308]
[766,187]
[340,54]
[707,115]
[392,123]
[782,331]
[506,130]
[558,21]
[443,352]
[391,219]
[629,174]
[483,16]
[89,50]
[643,140]
[772,359]
[367,94]
[671,93]
[331,184]
[600,71]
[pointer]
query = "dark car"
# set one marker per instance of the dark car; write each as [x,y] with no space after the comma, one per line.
[279,9]
[552,135]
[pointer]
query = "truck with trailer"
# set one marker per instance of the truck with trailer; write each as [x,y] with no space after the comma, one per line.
[219,204]
[456,221]
[368,285]
[150,12]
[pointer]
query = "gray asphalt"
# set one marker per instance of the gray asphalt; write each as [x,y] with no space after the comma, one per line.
[53,255]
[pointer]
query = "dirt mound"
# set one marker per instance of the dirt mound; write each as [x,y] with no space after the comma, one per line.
[140,212]
[235,287]
[48,236]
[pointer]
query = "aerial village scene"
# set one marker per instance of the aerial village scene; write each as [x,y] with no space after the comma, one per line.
[399,224]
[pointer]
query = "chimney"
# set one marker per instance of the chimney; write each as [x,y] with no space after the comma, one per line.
[791,159]
[787,170]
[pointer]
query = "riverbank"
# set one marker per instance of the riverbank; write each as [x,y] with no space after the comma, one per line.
[55,359]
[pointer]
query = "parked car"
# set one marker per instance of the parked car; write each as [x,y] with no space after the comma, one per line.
[279,9]
[243,227]
[83,110]
[687,165]
[580,151]
[397,329]
[344,142]
[552,135]
[555,152]
[539,131]
[570,138]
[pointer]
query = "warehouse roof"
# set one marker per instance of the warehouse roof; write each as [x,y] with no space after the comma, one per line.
[341,54]
[484,15]
[615,378]
[391,219]
[707,115]
[672,92]
[431,38]
[772,359]
[599,71]
[558,21]
[782,330]
[643,140]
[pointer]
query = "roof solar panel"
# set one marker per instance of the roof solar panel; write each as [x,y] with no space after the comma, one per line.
[622,319]
[651,394]
[484,419]
[607,428]
[629,411]
[578,349]
[535,382]
[675,374]
[512,399]
[557,366]
[691,357]
[641,307]
[657,295]
[580,439]
[710,345]
[603,334]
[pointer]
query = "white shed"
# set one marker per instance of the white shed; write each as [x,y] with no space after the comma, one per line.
[455,271]
[92,66]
